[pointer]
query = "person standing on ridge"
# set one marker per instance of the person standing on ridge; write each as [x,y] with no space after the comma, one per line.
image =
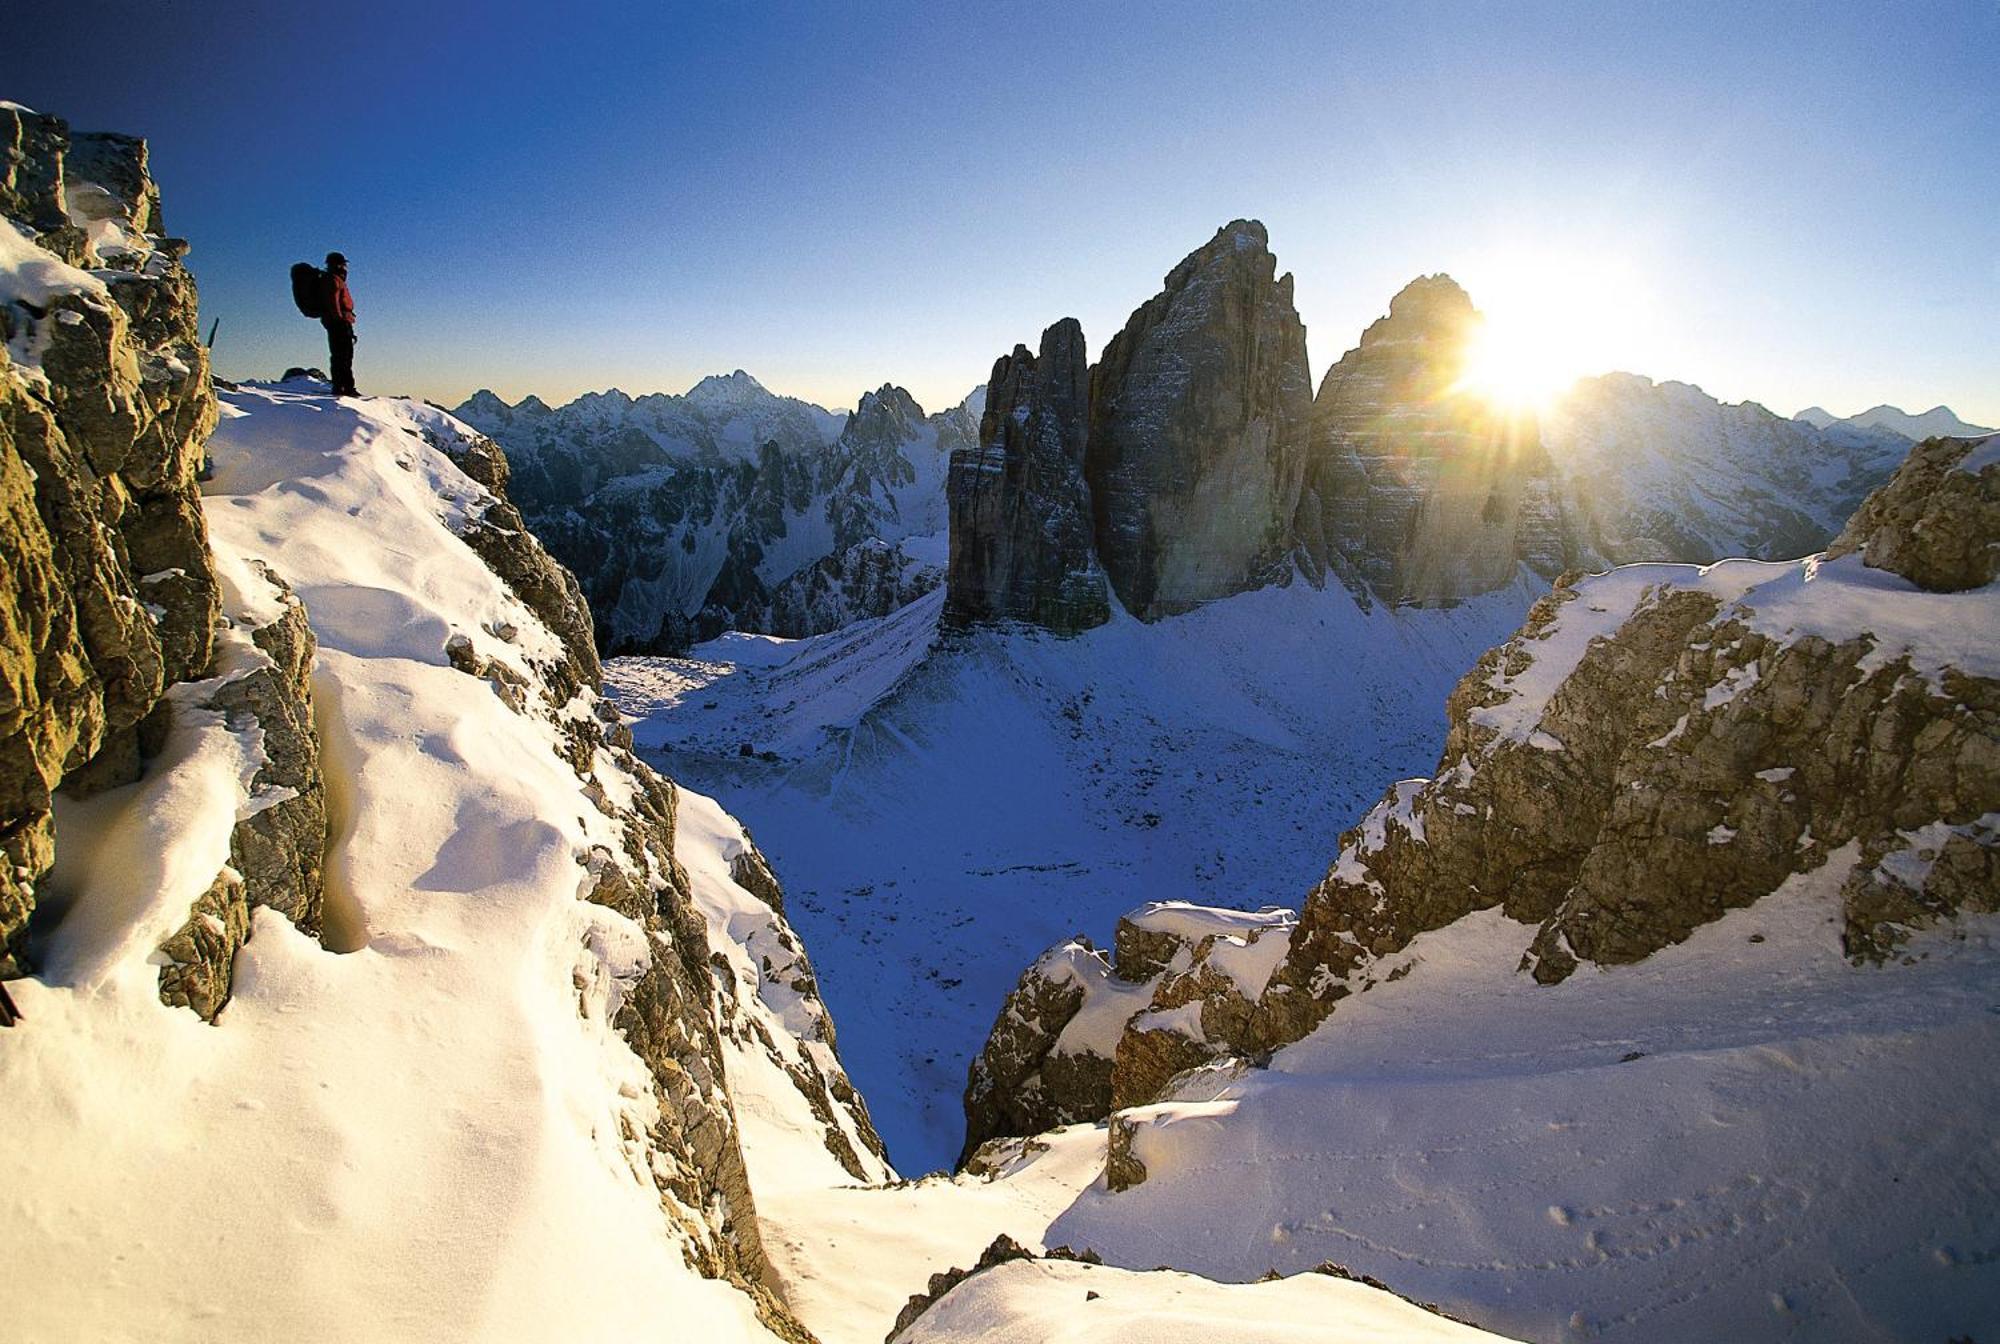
[337,316]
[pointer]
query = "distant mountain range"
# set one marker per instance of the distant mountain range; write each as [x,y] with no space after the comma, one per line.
[735,507]
[1938,420]
[731,507]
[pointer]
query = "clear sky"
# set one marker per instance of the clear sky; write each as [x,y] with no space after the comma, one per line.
[1788,203]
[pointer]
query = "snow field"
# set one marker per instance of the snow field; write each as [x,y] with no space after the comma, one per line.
[944,815]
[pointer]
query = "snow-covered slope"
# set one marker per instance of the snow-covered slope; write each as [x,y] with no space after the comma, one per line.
[1663,471]
[731,507]
[1088,1304]
[1742,1138]
[433,1124]
[945,814]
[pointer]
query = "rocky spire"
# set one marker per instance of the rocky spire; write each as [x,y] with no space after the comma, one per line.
[1021,544]
[1416,490]
[1198,430]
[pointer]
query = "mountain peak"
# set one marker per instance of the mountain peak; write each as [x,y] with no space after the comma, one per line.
[485,402]
[1244,234]
[1432,301]
[727,387]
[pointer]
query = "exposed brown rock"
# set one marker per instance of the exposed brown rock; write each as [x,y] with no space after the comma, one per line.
[1165,1004]
[1649,752]
[107,594]
[1199,422]
[1417,490]
[1936,523]
[1021,534]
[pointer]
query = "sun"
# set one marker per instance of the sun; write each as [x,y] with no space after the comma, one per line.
[1546,323]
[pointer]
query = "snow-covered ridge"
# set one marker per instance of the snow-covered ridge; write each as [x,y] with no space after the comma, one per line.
[494,1092]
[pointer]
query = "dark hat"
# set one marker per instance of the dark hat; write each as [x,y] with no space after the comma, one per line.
[335,259]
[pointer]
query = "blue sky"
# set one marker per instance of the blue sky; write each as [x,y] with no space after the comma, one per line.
[1796,203]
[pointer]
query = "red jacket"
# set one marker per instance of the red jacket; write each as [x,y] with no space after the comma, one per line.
[339,305]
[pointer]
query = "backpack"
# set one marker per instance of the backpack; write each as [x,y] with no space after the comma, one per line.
[309,289]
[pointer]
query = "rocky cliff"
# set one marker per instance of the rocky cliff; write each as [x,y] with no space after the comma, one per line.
[1170,470]
[677,1013]
[1418,490]
[1657,746]
[1199,420]
[730,507]
[109,597]
[1022,547]
[1412,487]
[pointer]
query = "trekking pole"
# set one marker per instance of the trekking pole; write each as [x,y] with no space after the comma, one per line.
[211,333]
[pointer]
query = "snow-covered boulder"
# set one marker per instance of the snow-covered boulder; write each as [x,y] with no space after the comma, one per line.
[1083,1033]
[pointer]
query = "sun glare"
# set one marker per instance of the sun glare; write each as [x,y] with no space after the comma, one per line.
[1548,323]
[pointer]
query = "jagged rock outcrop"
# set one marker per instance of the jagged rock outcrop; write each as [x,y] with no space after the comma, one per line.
[1937,523]
[730,507]
[1417,489]
[500,537]
[262,687]
[107,594]
[1199,424]
[1022,547]
[1657,746]
[1083,1033]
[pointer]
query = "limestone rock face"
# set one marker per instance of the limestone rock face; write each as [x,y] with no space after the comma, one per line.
[1199,422]
[1416,490]
[1021,541]
[107,593]
[1938,522]
[1658,747]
